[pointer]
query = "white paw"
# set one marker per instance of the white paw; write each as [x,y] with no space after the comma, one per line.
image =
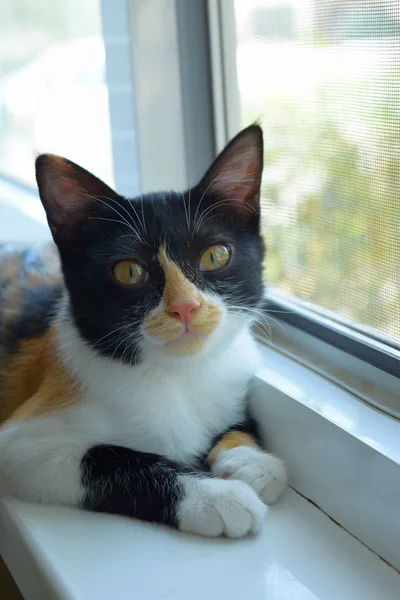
[264,472]
[214,507]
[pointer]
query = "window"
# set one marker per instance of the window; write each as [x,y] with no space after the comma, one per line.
[53,95]
[323,76]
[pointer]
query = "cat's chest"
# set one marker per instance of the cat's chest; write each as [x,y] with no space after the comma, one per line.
[173,408]
[169,410]
[177,417]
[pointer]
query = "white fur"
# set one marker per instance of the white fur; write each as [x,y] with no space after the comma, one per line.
[40,459]
[264,472]
[214,507]
[166,405]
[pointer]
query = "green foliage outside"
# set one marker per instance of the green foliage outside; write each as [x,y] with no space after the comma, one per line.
[331,191]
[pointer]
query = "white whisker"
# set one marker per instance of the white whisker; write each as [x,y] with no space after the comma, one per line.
[228,202]
[110,333]
[131,223]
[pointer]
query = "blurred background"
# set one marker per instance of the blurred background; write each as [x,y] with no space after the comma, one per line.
[322,77]
[53,93]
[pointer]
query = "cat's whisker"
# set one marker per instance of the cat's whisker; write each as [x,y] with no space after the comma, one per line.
[141,223]
[193,182]
[240,182]
[201,200]
[131,341]
[127,235]
[130,216]
[119,343]
[132,323]
[263,318]
[263,327]
[186,210]
[227,202]
[256,311]
[111,333]
[131,224]
[266,332]
[143,218]
[134,354]
[136,235]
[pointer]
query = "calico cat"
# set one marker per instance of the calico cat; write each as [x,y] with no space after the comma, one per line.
[123,381]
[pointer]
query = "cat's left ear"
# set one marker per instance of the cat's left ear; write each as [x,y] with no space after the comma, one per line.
[70,196]
[235,176]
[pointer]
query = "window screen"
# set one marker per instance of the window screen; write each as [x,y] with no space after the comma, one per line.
[323,78]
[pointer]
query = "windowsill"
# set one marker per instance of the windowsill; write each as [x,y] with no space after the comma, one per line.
[365,423]
[66,554]
[342,455]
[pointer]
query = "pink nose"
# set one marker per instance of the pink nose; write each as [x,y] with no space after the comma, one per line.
[183,312]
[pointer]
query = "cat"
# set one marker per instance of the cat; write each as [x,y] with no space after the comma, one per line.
[126,350]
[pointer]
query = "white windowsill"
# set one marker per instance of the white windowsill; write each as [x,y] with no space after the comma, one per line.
[66,554]
[342,454]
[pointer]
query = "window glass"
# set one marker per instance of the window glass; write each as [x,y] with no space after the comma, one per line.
[323,78]
[53,96]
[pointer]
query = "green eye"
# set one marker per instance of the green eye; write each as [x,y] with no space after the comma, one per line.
[129,272]
[216,257]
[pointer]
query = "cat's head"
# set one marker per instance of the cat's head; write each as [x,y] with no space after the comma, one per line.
[171,273]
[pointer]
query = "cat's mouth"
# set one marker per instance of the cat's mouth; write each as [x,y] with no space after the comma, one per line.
[187,343]
[181,338]
[186,336]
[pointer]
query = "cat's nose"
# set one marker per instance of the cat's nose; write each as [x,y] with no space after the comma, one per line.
[183,311]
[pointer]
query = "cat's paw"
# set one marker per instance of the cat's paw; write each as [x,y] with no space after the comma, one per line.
[213,507]
[264,472]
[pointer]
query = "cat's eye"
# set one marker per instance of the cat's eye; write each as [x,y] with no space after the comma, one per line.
[216,257]
[129,272]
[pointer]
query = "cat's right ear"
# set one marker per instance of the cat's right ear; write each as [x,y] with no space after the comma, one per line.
[71,196]
[234,178]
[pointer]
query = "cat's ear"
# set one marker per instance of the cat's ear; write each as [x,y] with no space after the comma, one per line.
[70,195]
[235,176]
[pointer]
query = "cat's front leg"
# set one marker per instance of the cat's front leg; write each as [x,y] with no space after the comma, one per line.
[152,488]
[41,460]
[237,455]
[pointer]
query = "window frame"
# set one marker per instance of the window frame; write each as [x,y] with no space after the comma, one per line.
[371,349]
[174,120]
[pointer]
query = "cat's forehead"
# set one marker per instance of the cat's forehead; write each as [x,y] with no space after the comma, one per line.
[170,220]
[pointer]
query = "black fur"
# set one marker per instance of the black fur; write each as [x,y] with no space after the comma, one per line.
[136,484]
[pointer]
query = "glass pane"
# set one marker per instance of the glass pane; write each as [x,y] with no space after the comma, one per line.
[323,77]
[53,96]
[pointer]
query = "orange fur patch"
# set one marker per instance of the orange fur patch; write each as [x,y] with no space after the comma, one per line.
[232,439]
[179,290]
[36,381]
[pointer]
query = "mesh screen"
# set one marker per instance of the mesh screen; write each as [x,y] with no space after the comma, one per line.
[323,77]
